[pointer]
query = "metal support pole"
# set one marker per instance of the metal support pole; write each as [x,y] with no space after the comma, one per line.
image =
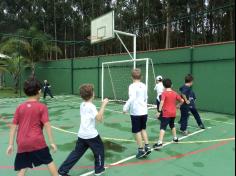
[102,93]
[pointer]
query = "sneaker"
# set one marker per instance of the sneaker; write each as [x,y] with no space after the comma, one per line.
[100,173]
[148,150]
[157,146]
[140,154]
[64,175]
[202,127]
[176,140]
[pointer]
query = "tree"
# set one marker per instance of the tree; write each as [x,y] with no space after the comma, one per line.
[13,67]
[32,45]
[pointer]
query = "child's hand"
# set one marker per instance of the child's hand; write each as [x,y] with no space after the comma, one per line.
[125,112]
[105,101]
[54,148]
[10,150]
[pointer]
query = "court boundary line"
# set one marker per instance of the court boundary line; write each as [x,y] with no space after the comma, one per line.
[134,156]
[151,142]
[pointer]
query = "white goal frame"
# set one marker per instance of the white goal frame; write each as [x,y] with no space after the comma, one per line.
[147,60]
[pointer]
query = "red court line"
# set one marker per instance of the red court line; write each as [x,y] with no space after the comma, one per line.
[212,147]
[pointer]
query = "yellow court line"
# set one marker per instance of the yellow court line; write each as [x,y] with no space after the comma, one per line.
[152,142]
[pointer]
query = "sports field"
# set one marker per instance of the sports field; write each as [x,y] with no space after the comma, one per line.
[203,153]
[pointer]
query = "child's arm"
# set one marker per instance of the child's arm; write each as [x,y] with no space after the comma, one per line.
[100,114]
[48,129]
[185,98]
[12,135]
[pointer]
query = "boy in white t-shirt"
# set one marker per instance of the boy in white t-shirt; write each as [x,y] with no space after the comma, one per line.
[160,89]
[137,105]
[88,136]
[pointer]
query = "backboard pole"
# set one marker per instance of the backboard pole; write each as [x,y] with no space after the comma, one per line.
[134,57]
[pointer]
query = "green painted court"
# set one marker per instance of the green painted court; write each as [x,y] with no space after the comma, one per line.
[202,153]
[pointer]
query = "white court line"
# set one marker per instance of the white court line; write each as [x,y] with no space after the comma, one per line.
[133,157]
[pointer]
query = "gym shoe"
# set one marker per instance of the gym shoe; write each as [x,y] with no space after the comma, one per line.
[141,153]
[64,175]
[176,140]
[100,173]
[202,127]
[157,146]
[148,150]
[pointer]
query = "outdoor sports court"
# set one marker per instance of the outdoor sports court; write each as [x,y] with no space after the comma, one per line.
[202,153]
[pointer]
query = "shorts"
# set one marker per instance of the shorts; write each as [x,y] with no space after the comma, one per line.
[32,159]
[167,121]
[139,123]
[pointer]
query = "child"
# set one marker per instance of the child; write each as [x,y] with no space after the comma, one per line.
[88,136]
[29,120]
[168,108]
[160,89]
[137,104]
[189,105]
[47,89]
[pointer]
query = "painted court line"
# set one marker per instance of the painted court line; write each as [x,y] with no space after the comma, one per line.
[132,157]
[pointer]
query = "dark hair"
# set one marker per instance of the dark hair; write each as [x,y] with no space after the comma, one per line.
[32,86]
[167,83]
[189,78]
[137,74]
[86,91]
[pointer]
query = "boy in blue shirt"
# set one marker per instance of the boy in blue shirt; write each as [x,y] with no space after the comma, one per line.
[189,106]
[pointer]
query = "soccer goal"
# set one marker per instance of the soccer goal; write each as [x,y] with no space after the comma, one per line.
[116,75]
[116,78]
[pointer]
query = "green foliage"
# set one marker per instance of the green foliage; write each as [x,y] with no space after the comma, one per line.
[69,20]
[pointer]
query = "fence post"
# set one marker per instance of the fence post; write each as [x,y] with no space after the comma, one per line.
[191,60]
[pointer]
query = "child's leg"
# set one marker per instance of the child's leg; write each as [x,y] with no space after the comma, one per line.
[164,124]
[144,126]
[73,158]
[173,129]
[97,147]
[184,118]
[139,139]
[52,169]
[22,172]
[196,116]
[145,136]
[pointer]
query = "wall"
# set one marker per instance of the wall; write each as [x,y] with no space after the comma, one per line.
[212,66]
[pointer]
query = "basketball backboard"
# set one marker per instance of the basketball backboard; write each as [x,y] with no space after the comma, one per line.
[102,28]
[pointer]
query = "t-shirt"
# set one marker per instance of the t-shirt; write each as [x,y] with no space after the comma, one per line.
[188,92]
[169,106]
[137,103]
[88,113]
[160,89]
[30,118]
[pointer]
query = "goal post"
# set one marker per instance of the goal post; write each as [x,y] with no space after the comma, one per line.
[116,78]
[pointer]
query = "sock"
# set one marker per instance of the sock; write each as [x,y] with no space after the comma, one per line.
[159,142]
[175,138]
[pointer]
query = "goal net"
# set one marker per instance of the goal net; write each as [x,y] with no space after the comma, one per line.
[116,78]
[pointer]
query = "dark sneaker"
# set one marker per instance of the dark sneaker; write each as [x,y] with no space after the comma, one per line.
[97,174]
[140,154]
[157,146]
[202,127]
[148,150]
[176,140]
